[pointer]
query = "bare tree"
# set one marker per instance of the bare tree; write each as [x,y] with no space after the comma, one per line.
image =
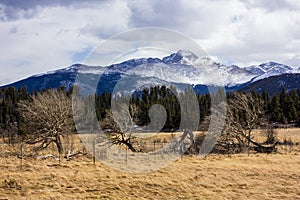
[243,116]
[47,117]
[121,124]
[270,134]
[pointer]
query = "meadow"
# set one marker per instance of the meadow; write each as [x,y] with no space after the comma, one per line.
[238,176]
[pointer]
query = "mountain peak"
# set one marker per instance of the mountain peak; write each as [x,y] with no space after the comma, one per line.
[181,56]
[271,66]
[186,54]
[268,69]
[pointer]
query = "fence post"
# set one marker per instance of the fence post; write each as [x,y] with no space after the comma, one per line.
[126,154]
[21,156]
[58,158]
[94,152]
[154,142]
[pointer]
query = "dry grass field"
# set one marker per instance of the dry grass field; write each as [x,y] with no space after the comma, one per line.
[258,176]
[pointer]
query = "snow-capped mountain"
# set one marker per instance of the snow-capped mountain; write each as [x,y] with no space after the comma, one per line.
[180,68]
[266,70]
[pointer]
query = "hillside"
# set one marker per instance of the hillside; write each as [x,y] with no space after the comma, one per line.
[274,84]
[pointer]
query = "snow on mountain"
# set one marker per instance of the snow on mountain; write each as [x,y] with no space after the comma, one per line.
[266,70]
[185,67]
[181,57]
[74,69]
[182,67]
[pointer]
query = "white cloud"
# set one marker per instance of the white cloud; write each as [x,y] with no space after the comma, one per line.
[237,32]
[50,39]
[38,36]
[258,36]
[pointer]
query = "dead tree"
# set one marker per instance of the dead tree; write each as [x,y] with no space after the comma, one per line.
[265,149]
[270,134]
[243,116]
[47,118]
[121,124]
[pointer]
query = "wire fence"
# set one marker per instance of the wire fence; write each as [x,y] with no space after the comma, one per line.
[20,153]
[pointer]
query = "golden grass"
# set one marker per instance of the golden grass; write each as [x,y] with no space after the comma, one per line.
[293,133]
[258,176]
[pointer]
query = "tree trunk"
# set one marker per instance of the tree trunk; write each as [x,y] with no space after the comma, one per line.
[129,145]
[59,144]
[264,149]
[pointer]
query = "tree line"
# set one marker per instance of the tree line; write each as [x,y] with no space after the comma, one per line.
[281,108]
[18,121]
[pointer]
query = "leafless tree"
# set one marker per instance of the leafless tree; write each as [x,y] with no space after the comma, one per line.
[48,118]
[270,134]
[121,124]
[243,116]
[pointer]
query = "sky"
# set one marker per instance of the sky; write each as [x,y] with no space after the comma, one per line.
[37,36]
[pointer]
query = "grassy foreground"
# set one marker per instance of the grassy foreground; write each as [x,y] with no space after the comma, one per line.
[258,176]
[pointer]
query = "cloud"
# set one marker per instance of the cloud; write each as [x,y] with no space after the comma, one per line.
[273,5]
[237,32]
[41,35]
[17,9]
[50,39]
[258,35]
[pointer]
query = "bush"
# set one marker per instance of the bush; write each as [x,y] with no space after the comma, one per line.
[270,134]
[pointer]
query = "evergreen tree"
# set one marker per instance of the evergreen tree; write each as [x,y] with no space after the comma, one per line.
[275,109]
[266,101]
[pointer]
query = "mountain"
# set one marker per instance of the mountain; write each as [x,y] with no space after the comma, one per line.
[275,84]
[266,70]
[180,69]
